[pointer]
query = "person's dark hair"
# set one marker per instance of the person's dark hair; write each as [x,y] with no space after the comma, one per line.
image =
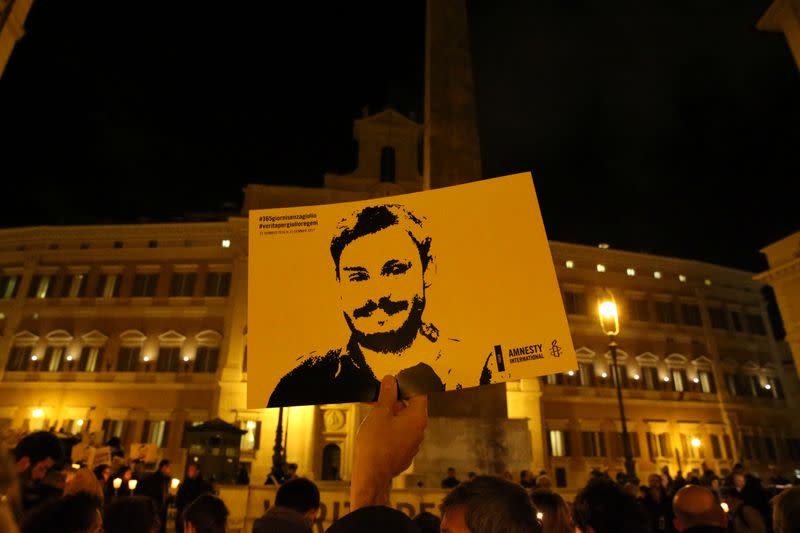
[71,514]
[207,514]
[98,471]
[38,446]
[373,219]
[786,510]
[555,512]
[114,442]
[606,507]
[134,514]
[427,522]
[493,505]
[163,462]
[300,494]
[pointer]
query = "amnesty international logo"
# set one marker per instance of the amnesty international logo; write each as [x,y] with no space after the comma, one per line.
[555,349]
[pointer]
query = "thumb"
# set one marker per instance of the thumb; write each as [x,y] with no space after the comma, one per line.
[387,397]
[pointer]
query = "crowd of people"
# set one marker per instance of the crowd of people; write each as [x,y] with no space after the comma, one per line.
[38,494]
[41,491]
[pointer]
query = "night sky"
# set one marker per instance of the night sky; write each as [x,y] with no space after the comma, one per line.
[671,128]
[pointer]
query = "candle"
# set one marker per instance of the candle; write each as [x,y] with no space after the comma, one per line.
[132,484]
[117,483]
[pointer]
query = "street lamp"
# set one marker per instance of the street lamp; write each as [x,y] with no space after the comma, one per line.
[609,322]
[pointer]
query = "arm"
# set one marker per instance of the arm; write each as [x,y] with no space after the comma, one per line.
[386,443]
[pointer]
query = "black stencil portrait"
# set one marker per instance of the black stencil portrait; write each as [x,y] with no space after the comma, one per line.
[381,256]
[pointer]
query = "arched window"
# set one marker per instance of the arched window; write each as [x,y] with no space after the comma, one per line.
[387,164]
[331,461]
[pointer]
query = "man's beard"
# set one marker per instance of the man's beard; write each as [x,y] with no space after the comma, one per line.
[391,341]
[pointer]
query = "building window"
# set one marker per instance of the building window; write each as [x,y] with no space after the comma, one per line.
[756,325]
[152,244]
[182,284]
[726,441]
[8,287]
[74,285]
[113,428]
[118,244]
[586,374]
[91,359]
[18,358]
[156,432]
[706,381]
[717,316]
[144,285]
[639,310]
[691,314]
[775,387]
[252,439]
[41,286]
[561,477]
[658,445]
[554,379]
[218,283]
[664,445]
[753,385]
[736,320]
[168,359]
[594,444]
[650,377]
[53,360]
[388,164]
[688,450]
[716,448]
[558,443]
[128,359]
[575,303]
[108,286]
[665,312]
[633,438]
[206,359]
[331,462]
[623,375]
[678,379]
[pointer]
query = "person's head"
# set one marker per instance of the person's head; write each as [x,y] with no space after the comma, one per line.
[301,495]
[631,488]
[786,511]
[124,473]
[37,453]
[102,472]
[207,514]
[714,483]
[696,506]
[554,511]
[544,482]
[77,513]
[134,514]
[471,475]
[85,482]
[427,522]
[114,442]
[291,469]
[654,481]
[739,480]
[488,505]
[165,467]
[381,254]
[603,507]
[451,472]
[192,471]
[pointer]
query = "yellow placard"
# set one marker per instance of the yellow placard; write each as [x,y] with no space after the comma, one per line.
[445,289]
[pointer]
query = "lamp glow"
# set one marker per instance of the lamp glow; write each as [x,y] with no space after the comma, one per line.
[657,274]
[603,375]
[226,243]
[609,317]
[175,482]
[631,272]
[185,358]
[601,267]
[38,413]
[666,379]
[696,380]
[250,424]
[117,483]
[539,515]
[569,264]
[34,358]
[132,484]
[79,422]
[636,377]
[76,466]
[682,278]
[768,386]
[695,442]
[69,358]
[724,506]
[146,358]
[571,373]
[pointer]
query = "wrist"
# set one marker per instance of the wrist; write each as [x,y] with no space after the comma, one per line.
[369,489]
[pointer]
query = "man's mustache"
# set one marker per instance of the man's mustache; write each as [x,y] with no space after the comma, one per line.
[390,307]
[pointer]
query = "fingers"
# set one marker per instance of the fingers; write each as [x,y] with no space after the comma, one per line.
[387,397]
[417,410]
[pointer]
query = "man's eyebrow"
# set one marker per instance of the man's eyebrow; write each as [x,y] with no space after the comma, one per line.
[354,269]
[393,262]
